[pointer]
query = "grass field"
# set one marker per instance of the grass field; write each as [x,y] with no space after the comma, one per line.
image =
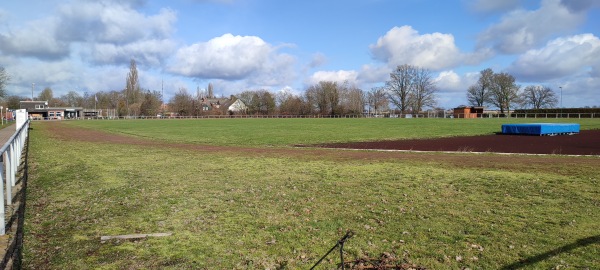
[285,207]
[287,132]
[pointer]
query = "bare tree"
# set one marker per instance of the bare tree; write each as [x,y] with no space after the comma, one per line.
[210,91]
[4,79]
[13,102]
[317,99]
[539,97]
[258,102]
[46,94]
[353,100]
[377,100]
[290,104]
[182,103]
[72,99]
[504,92]
[479,94]
[423,93]
[247,97]
[400,85]
[325,97]
[332,93]
[133,91]
[151,104]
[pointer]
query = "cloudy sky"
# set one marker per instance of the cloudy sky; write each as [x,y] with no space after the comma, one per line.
[237,45]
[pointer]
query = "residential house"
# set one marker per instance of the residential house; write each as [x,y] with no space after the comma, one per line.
[231,106]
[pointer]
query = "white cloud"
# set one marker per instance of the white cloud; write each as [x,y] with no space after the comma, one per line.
[450,81]
[340,76]
[146,52]
[522,30]
[404,45]
[94,30]
[112,23]
[559,58]
[229,57]
[46,74]
[374,74]
[113,33]
[36,39]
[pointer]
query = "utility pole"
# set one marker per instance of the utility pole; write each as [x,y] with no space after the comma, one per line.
[32,85]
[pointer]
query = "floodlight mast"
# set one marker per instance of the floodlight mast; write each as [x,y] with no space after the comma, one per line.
[561,104]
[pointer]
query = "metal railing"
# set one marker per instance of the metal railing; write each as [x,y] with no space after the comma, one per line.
[11,154]
[419,115]
[528,115]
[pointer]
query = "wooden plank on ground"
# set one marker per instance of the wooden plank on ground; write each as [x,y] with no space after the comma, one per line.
[133,236]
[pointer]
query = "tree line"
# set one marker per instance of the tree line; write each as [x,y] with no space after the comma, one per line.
[409,89]
[501,91]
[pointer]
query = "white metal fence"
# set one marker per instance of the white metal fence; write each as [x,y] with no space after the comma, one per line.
[420,115]
[529,115]
[11,154]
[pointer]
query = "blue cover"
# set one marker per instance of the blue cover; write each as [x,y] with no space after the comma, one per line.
[540,128]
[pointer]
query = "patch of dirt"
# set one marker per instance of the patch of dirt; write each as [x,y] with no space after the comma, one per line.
[520,163]
[587,142]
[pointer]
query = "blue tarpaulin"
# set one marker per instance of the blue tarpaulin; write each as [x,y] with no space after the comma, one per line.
[541,128]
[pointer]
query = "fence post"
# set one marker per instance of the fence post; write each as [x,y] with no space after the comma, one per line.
[9,175]
[2,202]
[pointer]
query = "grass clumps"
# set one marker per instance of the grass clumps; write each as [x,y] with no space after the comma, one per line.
[230,210]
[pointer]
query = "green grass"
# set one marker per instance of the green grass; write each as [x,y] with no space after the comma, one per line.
[285,132]
[241,211]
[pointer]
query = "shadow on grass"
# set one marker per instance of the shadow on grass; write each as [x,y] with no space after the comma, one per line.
[538,258]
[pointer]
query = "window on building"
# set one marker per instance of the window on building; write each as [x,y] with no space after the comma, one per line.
[39,106]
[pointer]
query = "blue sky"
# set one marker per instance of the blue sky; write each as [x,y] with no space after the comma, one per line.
[239,45]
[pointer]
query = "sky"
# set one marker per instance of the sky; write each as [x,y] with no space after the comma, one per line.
[238,45]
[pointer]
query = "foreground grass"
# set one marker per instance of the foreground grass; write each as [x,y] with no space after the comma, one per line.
[285,132]
[230,211]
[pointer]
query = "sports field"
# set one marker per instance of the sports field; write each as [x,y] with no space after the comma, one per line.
[237,194]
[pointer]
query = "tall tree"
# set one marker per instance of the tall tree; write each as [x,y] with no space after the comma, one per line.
[247,97]
[479,93]
[539,97]
[258,101]
[4,79]
[332,93]
[377,100]
[504,91]
[353,100]
[13,102]
[399,86]
[266,102]
[133,92]
[290,104]
[151,104]
[325,97]
[72,99]
[182,103]
[46,95]
[210,91]
[423,90]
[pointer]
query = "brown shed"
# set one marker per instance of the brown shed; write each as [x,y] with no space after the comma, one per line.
[468,112]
